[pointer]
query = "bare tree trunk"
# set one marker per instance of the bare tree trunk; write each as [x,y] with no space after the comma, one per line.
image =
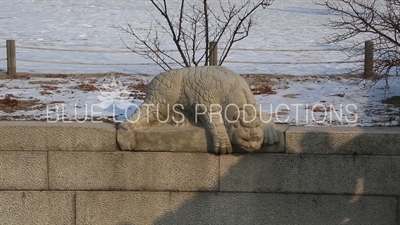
[206,29]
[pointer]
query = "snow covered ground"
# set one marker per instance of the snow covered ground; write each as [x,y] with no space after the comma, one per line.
[299,100]
[311,97]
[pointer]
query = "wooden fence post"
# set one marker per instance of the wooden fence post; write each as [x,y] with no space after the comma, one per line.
[11,57]
[213,53]
[369,59]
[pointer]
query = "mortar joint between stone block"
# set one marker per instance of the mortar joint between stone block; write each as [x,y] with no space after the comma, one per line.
[74,210]
[398,210]
[219,173]
[48,170]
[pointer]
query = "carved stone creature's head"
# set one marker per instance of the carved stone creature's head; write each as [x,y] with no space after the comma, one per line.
[246,130]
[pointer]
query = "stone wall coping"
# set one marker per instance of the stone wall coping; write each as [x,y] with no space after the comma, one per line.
[100,136]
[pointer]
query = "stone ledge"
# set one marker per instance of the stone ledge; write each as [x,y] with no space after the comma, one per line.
[149,171]
[232,208]
[43,136]
[190,139]
[343,140]
[37,207]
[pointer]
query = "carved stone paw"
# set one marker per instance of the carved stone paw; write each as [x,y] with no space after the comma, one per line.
[222,145]
[125,137]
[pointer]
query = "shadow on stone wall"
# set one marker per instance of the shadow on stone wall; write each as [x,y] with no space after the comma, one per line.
[297,189]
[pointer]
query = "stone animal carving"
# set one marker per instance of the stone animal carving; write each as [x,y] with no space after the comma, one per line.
[218,97]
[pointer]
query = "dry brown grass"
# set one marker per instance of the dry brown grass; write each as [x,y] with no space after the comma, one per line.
[260,84]
[320,108]
[25,75]
[138,90]
[86,87]
[140,86]
[92,81]
[291,95]
[49,82]
[10,104]
[48,87]
[45,93]
[263,89]
[8,101]
[57,102]
[16,76]
[19,117]
[282,113]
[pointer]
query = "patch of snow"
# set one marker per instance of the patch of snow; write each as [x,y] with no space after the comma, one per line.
[93,25]
[299,100]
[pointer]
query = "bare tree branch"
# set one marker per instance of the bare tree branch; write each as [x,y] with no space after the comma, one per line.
[378,19]
[191,27]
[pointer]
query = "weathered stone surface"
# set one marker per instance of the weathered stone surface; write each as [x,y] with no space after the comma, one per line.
[23,170]
[130,208]
[219,97]
[336,174]
[35,135]
[166,138]
[34,207]
[133,171]
[344,140]
[281,145]
[277,147]
[171,138]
